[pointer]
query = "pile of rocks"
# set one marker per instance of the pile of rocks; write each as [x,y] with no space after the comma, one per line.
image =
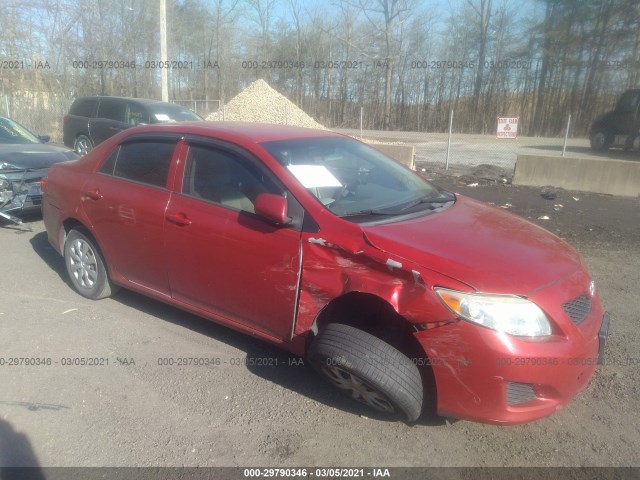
[260,103]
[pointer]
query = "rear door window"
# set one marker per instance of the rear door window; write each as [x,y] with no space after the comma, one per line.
[112,109]
[145,162]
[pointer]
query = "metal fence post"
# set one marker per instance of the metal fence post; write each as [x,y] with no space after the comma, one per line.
[566,135]
[449,141]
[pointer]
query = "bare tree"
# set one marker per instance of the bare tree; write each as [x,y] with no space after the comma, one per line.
[483,12]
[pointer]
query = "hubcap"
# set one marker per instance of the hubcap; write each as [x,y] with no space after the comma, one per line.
[83,264]
[357,388]
[82,146]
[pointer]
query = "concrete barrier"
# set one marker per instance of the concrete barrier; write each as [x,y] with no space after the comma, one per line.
[599,175]
[404,154]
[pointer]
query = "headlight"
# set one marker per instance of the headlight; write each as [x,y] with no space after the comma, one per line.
[504,313]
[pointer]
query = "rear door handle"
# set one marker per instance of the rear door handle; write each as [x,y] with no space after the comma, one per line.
[179,219]
[93,194]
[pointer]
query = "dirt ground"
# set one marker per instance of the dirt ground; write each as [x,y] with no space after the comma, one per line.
[135,412]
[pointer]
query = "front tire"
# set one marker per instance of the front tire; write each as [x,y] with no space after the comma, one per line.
[82,145]
[85,266]
[369,370]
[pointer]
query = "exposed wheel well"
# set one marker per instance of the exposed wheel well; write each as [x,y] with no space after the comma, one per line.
[373,315]
[68,225]
[377,317]
[71,223]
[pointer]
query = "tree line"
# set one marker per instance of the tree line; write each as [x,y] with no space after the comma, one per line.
[407,63]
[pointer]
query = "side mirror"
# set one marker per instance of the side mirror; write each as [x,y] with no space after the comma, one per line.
[44,138]
[272,207]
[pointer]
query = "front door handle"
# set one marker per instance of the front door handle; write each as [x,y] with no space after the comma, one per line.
[179,219]
[94,194]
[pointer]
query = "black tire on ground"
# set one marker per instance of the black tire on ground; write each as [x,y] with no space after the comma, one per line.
[85,265]
[600,140]
[367,369]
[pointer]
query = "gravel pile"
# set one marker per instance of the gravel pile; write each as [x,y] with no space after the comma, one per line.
[262,104]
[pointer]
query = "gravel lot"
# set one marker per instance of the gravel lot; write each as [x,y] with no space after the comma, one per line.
[135,412]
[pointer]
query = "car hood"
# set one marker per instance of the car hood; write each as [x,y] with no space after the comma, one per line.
[485,247]
[35,155]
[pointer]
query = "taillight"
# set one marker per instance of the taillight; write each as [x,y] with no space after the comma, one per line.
[43,183]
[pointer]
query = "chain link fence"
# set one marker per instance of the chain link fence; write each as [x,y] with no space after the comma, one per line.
[40,112]
[43,113]
[458,149]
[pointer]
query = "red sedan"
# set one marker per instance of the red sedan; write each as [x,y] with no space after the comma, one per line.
[393,289]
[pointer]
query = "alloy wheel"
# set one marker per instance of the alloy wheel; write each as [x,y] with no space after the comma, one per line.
[83,263]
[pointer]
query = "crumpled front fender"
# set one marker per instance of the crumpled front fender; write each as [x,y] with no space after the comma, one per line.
[333,268]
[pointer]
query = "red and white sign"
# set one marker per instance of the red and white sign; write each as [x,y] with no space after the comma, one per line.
[507,127]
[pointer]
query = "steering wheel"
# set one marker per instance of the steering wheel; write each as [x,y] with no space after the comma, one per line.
[342,192]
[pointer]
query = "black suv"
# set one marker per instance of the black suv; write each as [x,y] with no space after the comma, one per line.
[91,120]
[619,127]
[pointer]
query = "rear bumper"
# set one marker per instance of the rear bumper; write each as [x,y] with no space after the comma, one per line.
[489,377]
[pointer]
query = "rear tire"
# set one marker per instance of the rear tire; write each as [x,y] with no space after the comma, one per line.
[600,141]
[85,266]
[369,370]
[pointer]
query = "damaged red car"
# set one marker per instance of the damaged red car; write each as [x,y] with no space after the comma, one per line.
[397,292]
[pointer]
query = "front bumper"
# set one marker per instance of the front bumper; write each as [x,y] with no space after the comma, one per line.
[25,198]
[491,377]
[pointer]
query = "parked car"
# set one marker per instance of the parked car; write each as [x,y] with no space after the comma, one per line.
[91,120]
[620,127]
[24,160]
[389,286]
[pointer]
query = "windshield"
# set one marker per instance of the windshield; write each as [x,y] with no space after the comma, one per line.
[12,132]
[354,180]
[171,113]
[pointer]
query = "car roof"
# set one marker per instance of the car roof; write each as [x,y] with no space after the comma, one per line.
[242,131]
[129,99]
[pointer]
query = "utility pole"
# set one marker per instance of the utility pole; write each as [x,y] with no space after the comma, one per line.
[163,50]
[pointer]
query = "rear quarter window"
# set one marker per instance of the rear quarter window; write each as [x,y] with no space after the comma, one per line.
[85,107]
[109,164]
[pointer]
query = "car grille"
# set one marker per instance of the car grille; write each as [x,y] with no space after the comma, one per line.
[518,393]
[37,200]
[578,308]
